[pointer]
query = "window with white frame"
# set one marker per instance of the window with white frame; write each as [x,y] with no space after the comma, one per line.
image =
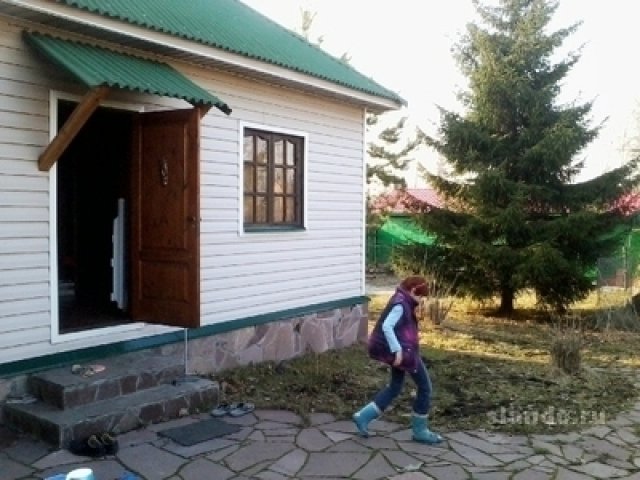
[273,180]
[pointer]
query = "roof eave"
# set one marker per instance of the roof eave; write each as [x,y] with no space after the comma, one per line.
[55,15]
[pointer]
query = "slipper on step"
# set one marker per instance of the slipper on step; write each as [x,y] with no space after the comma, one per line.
[223,409]
[91,370]
[88,370]
[242,408]
[21,399]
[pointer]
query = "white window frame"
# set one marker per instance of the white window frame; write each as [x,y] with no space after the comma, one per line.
[305,182]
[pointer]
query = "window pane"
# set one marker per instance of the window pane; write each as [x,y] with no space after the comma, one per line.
[291,181]
[248,149]
[278,209]
[261,151]
[248,209]
[291,210]
[279,153]
[273,178]
[278,181]
[261,180]
[291,159]
[248,178]
[261,210]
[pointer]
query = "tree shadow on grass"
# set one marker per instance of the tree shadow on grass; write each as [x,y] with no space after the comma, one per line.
[471,390]
[474,391]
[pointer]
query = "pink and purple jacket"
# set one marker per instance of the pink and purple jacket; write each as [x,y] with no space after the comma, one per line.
[406,331]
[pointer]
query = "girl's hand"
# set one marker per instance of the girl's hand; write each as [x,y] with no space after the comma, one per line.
[398,359]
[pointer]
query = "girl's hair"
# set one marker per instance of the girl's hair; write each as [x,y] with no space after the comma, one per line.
[419,283]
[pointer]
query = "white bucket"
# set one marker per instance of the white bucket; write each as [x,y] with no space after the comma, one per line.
[80,474]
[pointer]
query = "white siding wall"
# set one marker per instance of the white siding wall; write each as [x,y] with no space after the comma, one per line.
[242,275]
[257,273]
[25,321]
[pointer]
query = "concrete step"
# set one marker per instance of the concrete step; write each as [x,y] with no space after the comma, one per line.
[117,415]
[122,375]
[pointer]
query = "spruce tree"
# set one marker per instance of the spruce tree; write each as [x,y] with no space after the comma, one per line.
[388,159]
[389,155]
[515,217]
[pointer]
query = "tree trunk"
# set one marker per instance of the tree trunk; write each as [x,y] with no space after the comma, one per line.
[506,301]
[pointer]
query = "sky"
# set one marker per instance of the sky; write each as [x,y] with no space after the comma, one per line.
[406,45]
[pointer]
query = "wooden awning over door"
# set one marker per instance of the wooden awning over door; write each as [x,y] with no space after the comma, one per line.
[101,70]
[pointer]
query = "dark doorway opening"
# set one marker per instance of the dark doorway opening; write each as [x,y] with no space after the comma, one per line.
[93,185]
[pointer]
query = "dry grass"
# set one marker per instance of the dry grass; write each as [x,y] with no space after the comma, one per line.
[487,373]
[566,351]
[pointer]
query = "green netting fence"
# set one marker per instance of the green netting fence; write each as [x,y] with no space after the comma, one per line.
[621,268]
[396,230]
[617,270]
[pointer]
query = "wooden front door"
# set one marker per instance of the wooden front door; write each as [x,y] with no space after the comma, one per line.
[165,219]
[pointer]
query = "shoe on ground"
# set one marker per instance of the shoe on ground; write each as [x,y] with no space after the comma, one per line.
[223,409]
[109,442]
[242,408]
[88,447]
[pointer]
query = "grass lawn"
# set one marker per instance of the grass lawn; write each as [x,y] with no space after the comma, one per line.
[487,373]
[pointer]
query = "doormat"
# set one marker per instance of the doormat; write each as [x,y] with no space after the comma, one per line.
[198,432]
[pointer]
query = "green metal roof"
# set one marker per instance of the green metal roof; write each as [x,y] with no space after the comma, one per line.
[95,66]
[235,27]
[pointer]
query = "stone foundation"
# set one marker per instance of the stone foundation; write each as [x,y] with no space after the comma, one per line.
[275,341]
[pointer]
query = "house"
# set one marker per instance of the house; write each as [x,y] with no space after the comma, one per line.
[176,173]
[397,226]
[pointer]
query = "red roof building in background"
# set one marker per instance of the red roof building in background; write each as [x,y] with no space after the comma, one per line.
[400,201]
[408,200]
[628,204]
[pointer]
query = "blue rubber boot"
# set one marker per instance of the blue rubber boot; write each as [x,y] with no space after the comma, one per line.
[421,432]
[364,416]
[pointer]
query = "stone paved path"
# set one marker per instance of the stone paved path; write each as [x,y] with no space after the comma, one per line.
[274,445]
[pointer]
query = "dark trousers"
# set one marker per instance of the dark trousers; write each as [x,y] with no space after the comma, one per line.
[422,402]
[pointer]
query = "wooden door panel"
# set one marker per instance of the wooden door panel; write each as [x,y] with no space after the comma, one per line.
[165,230]
[163,183]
